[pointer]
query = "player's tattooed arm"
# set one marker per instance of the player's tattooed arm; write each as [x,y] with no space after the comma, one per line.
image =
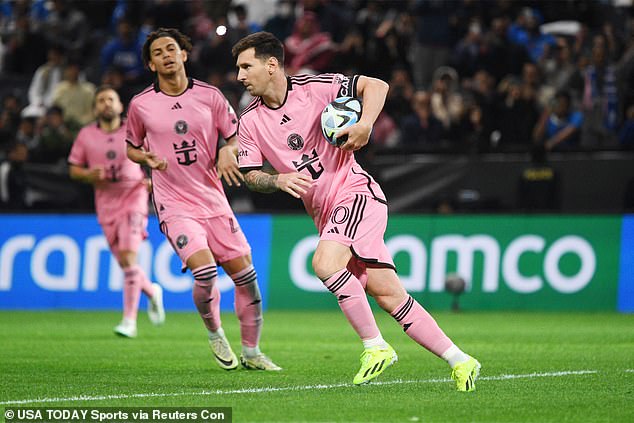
[260,181]
[293,183]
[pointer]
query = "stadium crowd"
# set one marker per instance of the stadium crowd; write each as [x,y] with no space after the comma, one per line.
[469,76]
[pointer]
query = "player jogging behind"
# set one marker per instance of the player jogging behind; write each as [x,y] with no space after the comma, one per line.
[173,128]
[98,157]
[282,126]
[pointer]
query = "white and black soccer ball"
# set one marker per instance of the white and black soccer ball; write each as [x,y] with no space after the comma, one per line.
[339,114]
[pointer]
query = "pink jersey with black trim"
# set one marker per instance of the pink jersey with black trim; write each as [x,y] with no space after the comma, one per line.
[290,139]
[124,190]
[184,130]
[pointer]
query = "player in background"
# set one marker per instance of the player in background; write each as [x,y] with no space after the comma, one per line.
[173,128]
[282,126]
[98,157]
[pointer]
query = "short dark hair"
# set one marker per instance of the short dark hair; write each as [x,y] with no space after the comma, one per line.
[183,41]
[265,44]
[100,89]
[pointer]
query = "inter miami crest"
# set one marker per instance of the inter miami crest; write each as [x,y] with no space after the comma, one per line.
[295,141]
[181,241]
[111,155]
[180,127]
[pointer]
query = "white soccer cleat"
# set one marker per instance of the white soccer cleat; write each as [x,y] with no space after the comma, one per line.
[127,329]
[155,309]
[224,355]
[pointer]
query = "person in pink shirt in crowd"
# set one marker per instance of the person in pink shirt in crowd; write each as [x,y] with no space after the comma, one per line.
[173,128]
[282,126]
[98,157]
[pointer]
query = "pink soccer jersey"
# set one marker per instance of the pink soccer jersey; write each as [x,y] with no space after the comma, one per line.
[124,190]
[183,130]
[290,139]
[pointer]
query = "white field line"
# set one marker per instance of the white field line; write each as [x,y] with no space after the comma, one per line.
[282,388]
[629,370]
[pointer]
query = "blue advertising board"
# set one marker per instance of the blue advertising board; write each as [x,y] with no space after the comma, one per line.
[63,261]
[625,301]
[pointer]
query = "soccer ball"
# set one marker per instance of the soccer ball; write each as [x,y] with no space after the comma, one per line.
[341,113]
[455,284]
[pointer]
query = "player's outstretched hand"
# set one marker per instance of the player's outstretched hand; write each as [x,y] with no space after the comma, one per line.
[227,165]
[152,160]
[358,136]
[294,183]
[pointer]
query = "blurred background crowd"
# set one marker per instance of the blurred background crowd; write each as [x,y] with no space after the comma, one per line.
[466,76]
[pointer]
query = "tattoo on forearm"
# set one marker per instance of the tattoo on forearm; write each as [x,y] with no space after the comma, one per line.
[261,181]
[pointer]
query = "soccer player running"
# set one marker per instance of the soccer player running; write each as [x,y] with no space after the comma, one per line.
[98,157]
[173,128]
[282,126]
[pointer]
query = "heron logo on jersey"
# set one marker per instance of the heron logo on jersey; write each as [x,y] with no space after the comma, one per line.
[181,241]
[180,127]
[307,163]
[295,141]
[187,153]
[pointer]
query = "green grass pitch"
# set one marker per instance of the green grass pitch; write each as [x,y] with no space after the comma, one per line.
[537,367]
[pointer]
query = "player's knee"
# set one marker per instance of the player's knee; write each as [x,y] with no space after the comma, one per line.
[325,265]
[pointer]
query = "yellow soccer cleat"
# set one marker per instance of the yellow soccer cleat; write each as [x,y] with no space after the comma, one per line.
[223,354]
[259,362]
[374,361]
[465,374]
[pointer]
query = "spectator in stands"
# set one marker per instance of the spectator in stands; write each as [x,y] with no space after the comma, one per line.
[434,39]
[516,116]
[56,137]
[559,68]
[525,31]
[74,96]
[421,128]
[28,133]
[504,57]
[469,55]
[13,181]
[399,98]
[25,48]
[44,81]
[67,26]
[626,134]
[559,126]
[240,25]
[532,86]
[308,50]
[281,24]
[446,103]
[124,52]
[600,97]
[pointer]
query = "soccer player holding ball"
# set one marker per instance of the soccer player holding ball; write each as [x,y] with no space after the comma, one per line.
[282,125]
[173,127]
[98,157]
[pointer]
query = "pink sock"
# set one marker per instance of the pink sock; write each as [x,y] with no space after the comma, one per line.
[207,296]
[131,291]
[353,303]
[421,327]
[146,284]
[248,305]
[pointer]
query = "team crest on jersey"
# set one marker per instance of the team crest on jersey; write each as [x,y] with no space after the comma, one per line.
[295,141]
[181,241]
[111,155]
[180,127]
